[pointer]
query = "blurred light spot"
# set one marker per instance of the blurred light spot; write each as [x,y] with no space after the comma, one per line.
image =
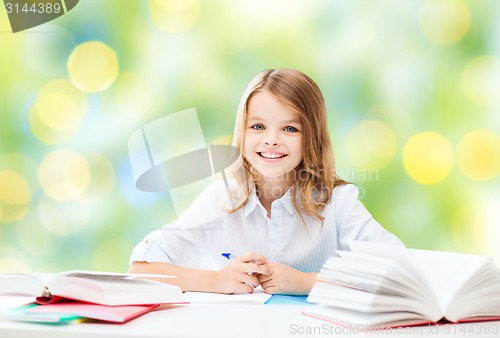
[428,157]
[64,218]
[462,227]
[241,29]
[481,81]
[397,115]
[102,177]
[109,255]
[12,265]
[58,112]
[64,175]
[34,238]
[15,196]
[174,16]
[93,67]
[252,24]
[60,106]
[371,144]
[10,261]
[26,168]
[478,155]
[486,227]
[22,164]
[52,219]
[445,21]
[47,135]
[13,188]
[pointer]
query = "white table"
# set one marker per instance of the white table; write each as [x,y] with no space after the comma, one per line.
[226,320]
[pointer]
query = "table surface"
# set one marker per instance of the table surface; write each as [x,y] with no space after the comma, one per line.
[226,320]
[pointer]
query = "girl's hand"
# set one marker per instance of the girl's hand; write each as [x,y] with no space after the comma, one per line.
[285,280]
[240,276]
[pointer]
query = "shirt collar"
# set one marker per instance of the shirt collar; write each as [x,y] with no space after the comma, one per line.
[253,202]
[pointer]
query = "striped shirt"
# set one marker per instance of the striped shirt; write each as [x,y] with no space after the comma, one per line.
[204,231]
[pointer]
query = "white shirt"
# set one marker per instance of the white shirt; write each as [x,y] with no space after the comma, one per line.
[204,231]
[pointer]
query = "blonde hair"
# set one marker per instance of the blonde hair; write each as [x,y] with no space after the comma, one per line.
[317,175]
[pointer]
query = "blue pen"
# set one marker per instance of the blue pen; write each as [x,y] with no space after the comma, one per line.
[229,255]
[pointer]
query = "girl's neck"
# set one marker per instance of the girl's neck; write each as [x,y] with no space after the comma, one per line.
[269,190]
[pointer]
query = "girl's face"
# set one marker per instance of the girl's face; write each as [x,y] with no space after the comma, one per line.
[273,137]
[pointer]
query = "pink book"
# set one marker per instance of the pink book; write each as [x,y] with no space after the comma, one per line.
[116,314]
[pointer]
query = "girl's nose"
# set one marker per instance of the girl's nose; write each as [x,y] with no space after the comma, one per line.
[271,143]
[271,138]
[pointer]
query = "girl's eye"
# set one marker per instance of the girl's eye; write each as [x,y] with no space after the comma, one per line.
[291,129]
[257,127]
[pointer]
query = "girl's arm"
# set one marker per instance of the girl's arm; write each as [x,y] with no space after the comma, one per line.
[238,277]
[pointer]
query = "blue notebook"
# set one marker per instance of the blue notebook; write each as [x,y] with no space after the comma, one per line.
[20,313]
[288,300]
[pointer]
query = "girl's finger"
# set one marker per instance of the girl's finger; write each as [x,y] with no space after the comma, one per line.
[253,268]
[250,280]
[252,257]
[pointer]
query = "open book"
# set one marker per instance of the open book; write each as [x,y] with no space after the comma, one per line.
[94,287]
[377,285]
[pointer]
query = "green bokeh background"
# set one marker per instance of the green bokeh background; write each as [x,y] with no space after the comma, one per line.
[403,64]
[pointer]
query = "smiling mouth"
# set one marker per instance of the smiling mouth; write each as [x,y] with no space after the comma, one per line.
[271,155]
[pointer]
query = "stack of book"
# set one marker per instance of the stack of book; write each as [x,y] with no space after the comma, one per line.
[380,286]
[112,297]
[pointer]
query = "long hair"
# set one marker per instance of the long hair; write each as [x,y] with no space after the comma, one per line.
[315,176]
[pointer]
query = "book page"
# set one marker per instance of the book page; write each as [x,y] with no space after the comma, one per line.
[109,275]
[23,283]
[398,255]
[443,273]
[365,321]
[374,269]
[480,300]
[364,302]
[392,271]
[257,297]
[114,288]
[447,272]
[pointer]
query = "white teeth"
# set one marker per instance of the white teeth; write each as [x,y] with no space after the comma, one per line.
[272,155]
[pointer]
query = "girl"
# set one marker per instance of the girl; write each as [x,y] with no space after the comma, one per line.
[286,211]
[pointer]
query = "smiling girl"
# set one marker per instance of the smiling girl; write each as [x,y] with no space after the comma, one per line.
[285,212]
